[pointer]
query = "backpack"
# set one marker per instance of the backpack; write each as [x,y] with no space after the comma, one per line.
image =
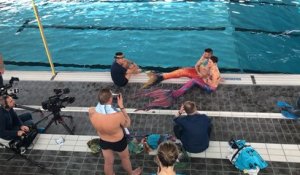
[94,145]
[135,147]
[153,140]
[246,158]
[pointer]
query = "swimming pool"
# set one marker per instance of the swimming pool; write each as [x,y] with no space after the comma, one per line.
[251,36]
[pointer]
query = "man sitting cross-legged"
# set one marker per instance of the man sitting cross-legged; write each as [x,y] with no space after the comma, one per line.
[193,129]
[112,138]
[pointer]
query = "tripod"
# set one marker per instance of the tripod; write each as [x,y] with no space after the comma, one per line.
[17,152]
[58,118]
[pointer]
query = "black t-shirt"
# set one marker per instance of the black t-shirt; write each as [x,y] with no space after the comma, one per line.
[118,74]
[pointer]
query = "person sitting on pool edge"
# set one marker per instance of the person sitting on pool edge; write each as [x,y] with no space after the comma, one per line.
[192,129]
[122,69]
[165,97]
[200,70]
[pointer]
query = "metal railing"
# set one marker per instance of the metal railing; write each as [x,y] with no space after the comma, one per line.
[35,9]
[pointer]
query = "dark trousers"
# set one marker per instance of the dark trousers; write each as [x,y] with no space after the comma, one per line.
[177,131]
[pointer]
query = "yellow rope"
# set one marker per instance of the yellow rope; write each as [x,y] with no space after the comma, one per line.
[43,36]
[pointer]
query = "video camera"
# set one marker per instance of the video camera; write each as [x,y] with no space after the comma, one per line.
[21,144]
[7,88]
[56,102]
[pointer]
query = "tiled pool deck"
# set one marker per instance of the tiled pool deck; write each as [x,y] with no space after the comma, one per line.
[243,107]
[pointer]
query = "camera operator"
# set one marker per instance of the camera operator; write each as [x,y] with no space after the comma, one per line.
[109,127]
[12,126]
[105,104]
[2,69]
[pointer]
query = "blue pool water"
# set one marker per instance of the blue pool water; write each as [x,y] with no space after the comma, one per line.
[251,36]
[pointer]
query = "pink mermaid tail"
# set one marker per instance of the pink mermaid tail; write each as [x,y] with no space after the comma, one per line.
[148,93]
[162,98]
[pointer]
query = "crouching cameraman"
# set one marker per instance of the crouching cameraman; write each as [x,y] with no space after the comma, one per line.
[12,126]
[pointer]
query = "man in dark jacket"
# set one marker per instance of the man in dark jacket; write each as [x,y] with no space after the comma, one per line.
[12,126]
[193,129]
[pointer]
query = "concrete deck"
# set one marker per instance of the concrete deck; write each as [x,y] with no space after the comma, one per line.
[244,107]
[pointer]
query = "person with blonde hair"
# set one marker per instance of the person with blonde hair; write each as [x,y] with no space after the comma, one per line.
[167,155]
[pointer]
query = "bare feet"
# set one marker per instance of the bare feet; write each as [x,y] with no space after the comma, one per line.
[137,171]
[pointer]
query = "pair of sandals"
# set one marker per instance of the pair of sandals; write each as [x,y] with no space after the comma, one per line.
[288,110]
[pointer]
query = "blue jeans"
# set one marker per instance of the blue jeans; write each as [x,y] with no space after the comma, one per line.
[26,118]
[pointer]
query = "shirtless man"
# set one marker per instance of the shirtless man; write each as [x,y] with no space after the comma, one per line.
[112,138]
[208,80]
[199,70]
[201,64]
[122,69]
[105,104]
